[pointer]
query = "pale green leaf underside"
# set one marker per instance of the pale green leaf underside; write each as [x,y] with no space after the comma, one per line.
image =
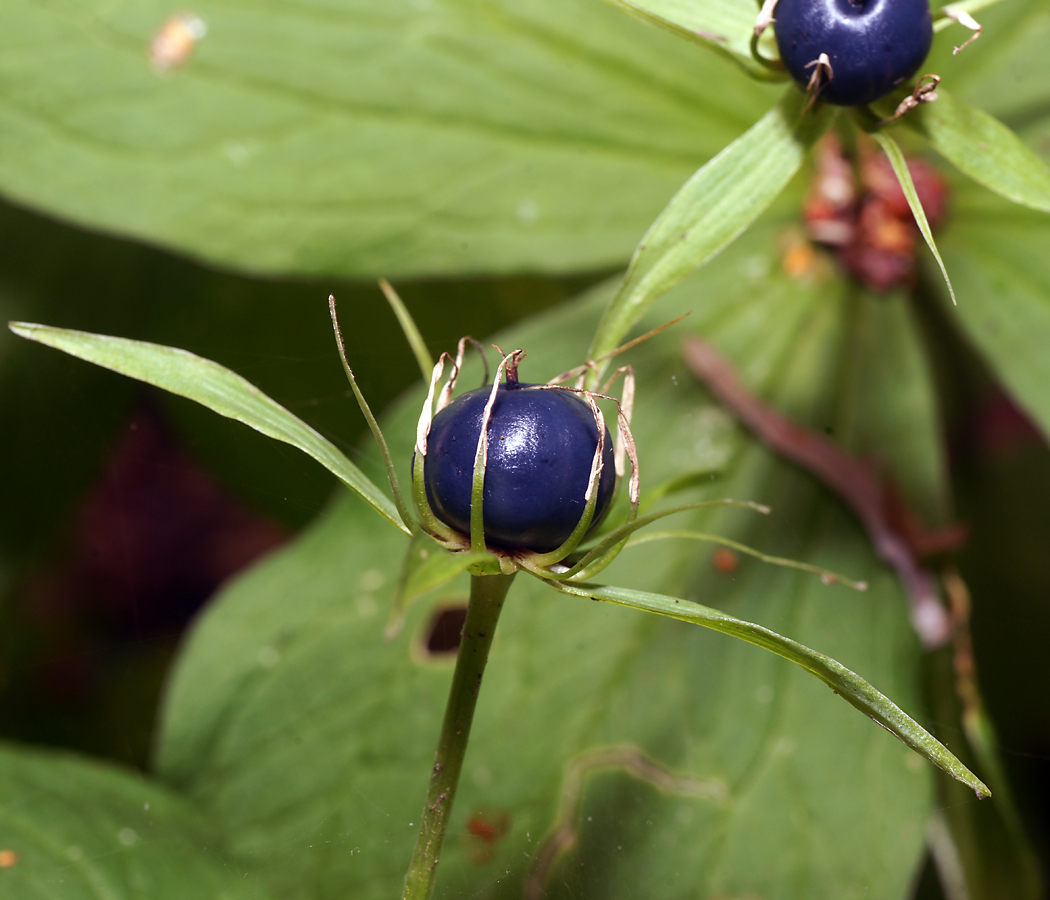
[85,830]
[848,685]
[362,138]
[215,387]
[980,146]
[718,203]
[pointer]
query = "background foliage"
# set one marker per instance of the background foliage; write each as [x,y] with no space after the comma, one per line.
[325,141]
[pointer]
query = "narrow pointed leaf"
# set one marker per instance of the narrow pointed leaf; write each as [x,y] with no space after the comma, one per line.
[980,146]
[848,685]
[721,200]
[215,387]
[900,167]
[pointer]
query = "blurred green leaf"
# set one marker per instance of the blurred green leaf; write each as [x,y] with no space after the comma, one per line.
[298,729]
[355,139]
[983,148]
[84,830]
[725,25]
[887,359]
[995,250]
[217,388]
[998,250]
[718,203]
[1005,72]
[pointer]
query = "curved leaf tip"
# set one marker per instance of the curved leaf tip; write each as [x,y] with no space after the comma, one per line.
[847,684]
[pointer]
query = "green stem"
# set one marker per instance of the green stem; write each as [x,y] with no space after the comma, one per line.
[487,593]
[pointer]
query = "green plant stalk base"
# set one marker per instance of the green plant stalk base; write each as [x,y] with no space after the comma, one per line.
[487,593]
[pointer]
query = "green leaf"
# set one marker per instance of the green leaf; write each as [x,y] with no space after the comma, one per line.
[83,830]
[306,737]
[889,374]
[983,148]
[419,136]
[848,685]
[711,210]
[724,25]
[900,168]
[1007,70]
[998,253]
[215,387]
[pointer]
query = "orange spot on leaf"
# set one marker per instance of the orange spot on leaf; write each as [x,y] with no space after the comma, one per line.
[173,44]
[725,560]
[483,832]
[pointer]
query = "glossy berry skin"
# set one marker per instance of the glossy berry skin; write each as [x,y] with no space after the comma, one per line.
[873,45]
[541,445]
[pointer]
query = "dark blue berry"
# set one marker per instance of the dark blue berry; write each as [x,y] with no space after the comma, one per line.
[873,45]
[541,445]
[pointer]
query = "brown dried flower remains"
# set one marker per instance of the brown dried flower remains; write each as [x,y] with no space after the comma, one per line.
[859,210]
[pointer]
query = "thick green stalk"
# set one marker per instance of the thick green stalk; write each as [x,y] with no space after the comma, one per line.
[487,593]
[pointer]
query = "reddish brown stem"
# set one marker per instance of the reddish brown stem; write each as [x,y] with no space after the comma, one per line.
[855,481]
